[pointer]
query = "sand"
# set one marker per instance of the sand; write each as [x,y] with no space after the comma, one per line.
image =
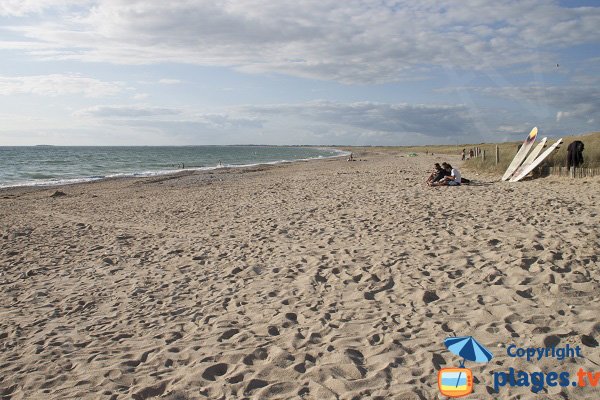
[317,280]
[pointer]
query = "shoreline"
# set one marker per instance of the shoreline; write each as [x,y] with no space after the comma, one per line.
[161,173]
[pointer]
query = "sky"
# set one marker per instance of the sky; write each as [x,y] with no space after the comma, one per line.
[352,72]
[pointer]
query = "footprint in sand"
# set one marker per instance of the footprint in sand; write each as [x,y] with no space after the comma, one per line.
[255,384]
[228,334]
[273,330]
[213,372]
[258,354]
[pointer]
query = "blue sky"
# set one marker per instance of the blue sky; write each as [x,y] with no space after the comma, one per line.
[354,72]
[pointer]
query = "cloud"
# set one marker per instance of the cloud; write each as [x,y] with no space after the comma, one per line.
[57,85]
[144,115]
[572,102]
[24,7]
[355,41]
[127,111]
[378,118]
[167,81]
[318,122]
[192,129]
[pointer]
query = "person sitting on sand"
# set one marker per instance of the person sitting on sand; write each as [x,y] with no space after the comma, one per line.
[454,179]
[437,174]
[351,158]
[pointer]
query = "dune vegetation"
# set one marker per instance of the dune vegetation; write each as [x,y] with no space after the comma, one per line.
[591,154]
[507,151]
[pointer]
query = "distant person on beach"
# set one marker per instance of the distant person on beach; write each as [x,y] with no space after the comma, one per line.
[453,179]
[351,158]
[464,154]
[471,153]
[437,174]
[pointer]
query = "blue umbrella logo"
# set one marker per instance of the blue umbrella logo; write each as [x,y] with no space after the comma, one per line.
[469,349]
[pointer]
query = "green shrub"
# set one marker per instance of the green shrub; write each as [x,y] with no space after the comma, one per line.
[591,154]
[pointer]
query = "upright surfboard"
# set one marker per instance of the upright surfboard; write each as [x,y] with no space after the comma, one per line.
[530,158]
[537,161]
[521,154]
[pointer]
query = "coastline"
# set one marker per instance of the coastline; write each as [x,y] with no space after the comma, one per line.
[323,279]
[168,172]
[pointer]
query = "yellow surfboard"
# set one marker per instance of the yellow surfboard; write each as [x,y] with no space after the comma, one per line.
[521,154]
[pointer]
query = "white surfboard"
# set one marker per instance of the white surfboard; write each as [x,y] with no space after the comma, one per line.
[538,160]
[530,158]
[521,154]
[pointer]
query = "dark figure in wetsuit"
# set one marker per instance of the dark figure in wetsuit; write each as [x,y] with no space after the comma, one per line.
[575,154]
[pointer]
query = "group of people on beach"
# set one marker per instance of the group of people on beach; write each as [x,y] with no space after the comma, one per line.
[444,175]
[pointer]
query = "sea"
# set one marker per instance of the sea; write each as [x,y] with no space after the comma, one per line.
[59,165]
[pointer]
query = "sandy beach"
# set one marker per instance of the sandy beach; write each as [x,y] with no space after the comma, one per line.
[317,280]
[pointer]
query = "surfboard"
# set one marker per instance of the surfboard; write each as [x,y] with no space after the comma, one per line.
[530,158]
[538,160]
[521,154]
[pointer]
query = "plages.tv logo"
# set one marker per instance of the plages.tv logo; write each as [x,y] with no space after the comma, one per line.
[458,382]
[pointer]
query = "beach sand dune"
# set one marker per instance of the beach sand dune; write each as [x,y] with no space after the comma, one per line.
[316,280]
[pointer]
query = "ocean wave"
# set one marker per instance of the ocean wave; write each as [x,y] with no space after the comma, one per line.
[48,180]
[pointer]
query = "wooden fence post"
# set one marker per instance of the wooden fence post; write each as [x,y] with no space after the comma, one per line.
[570,172]
[497,154]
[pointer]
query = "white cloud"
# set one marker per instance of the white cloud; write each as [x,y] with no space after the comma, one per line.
[147,116]
[23,7]
[167,81]
[355,41]
[57,84]
[127,111]
[572,102]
